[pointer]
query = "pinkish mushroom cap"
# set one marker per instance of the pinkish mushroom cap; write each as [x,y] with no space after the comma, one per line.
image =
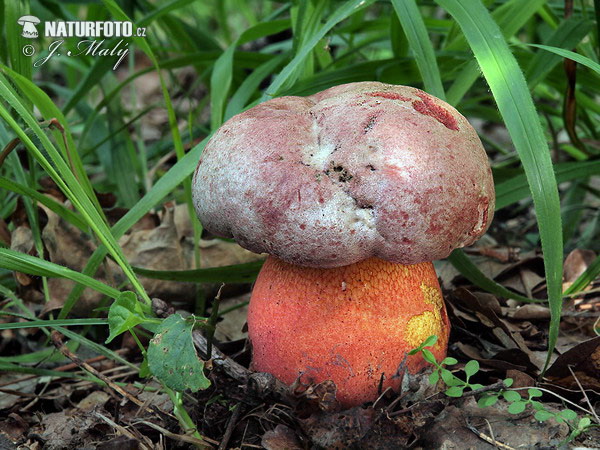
[358,170]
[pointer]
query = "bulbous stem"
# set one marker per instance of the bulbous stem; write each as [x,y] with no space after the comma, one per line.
[351,324]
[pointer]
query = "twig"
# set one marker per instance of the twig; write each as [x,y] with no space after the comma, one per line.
[64,368]
[231,368]
[124,431]
[52,123]
[548,391]
[259,383]
[486,438]
[9,148]
[58,343]
[570,103]
[592,410]
[230,426]
[179,437]
[212,321]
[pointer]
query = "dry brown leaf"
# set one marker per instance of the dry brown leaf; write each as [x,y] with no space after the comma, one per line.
[70,247]
[576,263]
[584,360]
[530,312]
[282,437]
[22,241]
[231,327]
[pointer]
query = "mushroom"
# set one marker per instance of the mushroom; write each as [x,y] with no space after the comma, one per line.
[353,192]
[29,23]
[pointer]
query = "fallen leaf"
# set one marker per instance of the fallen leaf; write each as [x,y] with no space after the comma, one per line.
[530,312]
[282,437]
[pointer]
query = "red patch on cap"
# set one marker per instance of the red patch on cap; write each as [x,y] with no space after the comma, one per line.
[389,96]
[429,108]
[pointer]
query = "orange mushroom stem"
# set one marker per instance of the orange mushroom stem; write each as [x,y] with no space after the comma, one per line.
[352,324]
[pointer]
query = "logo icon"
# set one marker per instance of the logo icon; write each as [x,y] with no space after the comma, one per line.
[29,23]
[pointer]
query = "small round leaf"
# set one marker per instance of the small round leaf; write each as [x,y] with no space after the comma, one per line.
[511,396]
[584,423]
[534,393]
[517,407]
[568,414]
[428,356]
[543,415]
[450,379]
[471,368]
[449,361]
[430,341]
[487,400]
[434,377]
[538,406]
[454,391]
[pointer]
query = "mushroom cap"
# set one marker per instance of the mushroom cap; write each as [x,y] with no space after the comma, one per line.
[356,171]
[31,19]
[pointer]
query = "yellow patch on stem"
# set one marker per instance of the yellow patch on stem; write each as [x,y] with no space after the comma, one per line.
[429,323]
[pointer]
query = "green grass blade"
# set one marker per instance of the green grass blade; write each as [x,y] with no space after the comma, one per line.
[13,9]
[343,12]
[49,111]
[584,61]
[222,74]
[52,205]
[65,179]
[238,273]
[21,262]
[569,33]
[163,187]
[510,91]
[514,189]
[585,278]
[251,84]
[15,368]
[410,17]
[52,323]
[510,18]
[465,266]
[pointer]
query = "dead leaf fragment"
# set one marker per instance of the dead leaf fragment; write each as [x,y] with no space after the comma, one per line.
[280,438]
[531,312]
[576,263]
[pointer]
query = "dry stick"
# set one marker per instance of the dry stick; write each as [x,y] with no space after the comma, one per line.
[262,382]
[212,321]
[64,368]
[124,431]
[548,391]
[178,437]
[592,410]
[570,105]
[58,343]
[488,439]
[52,123]
[9,148]
[492,387]
[230,426]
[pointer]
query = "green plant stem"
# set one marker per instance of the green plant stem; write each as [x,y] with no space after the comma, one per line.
[182,415]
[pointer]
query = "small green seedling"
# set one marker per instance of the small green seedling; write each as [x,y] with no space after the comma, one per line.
[517,404]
